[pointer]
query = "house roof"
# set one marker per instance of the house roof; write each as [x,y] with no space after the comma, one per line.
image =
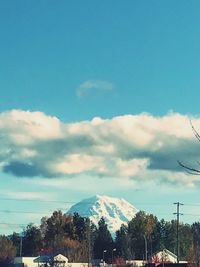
[167,252]
[51,257]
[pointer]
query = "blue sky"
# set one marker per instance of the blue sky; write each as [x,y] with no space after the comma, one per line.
[65,63]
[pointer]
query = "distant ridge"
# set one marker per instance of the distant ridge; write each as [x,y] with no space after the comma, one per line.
[115,211]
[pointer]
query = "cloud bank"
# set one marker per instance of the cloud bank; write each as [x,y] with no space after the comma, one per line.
[141,147]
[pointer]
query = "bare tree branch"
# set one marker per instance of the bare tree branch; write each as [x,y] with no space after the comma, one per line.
[189,169]
[196,134]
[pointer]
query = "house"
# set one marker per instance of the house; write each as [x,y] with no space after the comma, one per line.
[24,262]
[48,260]
[58,260]
[164,256]
[136,263]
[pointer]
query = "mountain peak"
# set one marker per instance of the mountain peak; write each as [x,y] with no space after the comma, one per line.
[115,211]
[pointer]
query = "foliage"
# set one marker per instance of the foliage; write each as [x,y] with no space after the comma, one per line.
[119,261]
[142,228]
[54,230]
[68,235]
[31,241]
[16,239]
[145,229]
[7,250]
[79,240]
[122,242]
[103,241]
[186,240]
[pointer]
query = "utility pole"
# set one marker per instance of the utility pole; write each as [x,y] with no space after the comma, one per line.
[88,242]
[114,249]
[178,204]
[20,246]
[145,245]
[21,242]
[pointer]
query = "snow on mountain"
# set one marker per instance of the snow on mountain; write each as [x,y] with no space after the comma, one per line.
[115,211]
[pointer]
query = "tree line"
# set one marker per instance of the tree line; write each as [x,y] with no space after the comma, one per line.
[81,241]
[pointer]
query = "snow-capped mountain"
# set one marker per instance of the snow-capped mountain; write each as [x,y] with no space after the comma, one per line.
[115,211]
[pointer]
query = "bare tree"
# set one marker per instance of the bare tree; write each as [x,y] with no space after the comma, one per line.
[190,169]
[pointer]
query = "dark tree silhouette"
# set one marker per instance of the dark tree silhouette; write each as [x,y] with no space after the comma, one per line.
[103,241]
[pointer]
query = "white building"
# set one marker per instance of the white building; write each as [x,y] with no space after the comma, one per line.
[164,256]
[136,263]
[25,261]
[44,260]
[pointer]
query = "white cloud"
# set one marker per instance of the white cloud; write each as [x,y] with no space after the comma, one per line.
[93,85]
[140,147]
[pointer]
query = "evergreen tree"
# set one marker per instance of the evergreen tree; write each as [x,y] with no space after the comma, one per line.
[32,241]
[136,230]
[186,240]
[195,229]
[16,239]
[103,241]
[142,230]
[80,227]
[169,236]
[55,230]
[122,242]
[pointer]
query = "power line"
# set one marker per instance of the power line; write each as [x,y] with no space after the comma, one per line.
[39,200]
[12,224]
[18,211]
[191,214]
[74,202]
[190,204]
[51,211]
